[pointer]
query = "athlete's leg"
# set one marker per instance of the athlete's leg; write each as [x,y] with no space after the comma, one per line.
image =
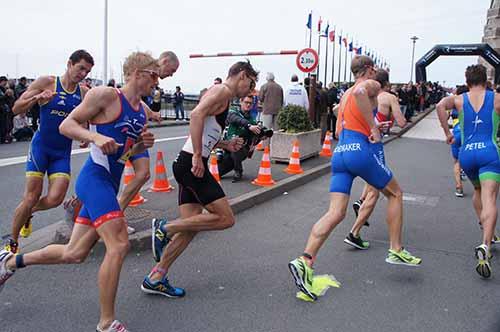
[323,227]
[394,213]
[456,173]
[115,237]
[489,213]
[371,197]
[142,175]
[58,186]
[365,192]
[178,243]
[476,202]
[32,192]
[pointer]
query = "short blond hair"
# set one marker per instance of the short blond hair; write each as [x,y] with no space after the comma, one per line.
[138,61]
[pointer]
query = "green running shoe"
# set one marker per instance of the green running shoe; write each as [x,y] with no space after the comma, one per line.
[303,276]
[483,267]
[403,257]
[356,242]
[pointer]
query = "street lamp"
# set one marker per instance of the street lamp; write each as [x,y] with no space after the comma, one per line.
[414,39]
[105,51]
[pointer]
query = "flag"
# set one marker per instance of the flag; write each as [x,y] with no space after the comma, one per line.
[350,47]
[326,29]
[309,21]
[319,24]
[368,52]
[340,40]
[345,41]
[360,50]
[331,35]
[355,50]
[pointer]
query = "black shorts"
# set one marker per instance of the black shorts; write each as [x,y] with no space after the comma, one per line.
[204,190]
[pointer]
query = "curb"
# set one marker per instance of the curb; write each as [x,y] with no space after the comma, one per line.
[154,124]
[142,240]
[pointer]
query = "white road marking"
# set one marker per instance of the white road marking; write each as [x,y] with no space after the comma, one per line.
[22,159]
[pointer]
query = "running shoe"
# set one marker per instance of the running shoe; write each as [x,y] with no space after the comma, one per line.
[161,287]
[116,326]
[459,192]
[130,230]
[356,242]
[403,257]
[496,239]
[356,206]
[303,276]
[12,246]
[483,267]
[159,238]
[5,273]
[27,229]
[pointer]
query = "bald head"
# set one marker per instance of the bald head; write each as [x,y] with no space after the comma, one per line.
[169,63]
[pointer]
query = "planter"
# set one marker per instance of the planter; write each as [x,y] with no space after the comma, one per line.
[281,145]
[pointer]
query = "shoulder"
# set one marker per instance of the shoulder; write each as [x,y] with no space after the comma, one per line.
[104,94]
[43,83]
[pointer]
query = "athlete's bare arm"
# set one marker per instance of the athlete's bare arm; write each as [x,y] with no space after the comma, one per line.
[95,108]
[446,103]
[40,91]
[147,138]
[497,103]
[396,110]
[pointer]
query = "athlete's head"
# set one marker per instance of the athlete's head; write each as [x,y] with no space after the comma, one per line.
[382,76]
[245,76]
[80,64]
[475,75]
[362,66]
[169,63]
[143,69]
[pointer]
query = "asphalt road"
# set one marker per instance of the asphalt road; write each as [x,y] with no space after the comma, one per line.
[237,280]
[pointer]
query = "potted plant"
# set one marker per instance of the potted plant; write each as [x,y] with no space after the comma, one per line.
[294,124]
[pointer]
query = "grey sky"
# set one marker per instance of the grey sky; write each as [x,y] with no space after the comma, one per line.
[42,34]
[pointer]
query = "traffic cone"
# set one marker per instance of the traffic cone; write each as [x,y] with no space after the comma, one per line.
[264,177]
[129,174]
[326,151]
[214,168]
[260,146]
[294,164]
[160,183]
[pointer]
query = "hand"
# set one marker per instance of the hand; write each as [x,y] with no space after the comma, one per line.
[155,116]
[375,135]
[106,144]
[198,168]
[254,129]
[384,125]
[84,145]
[450,139]
[45,96]
[235,144]
[147,138]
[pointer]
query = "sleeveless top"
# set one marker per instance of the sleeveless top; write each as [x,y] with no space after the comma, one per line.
[481,126]
[351,117]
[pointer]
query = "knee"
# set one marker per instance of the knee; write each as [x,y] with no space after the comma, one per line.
[226,221]
[31,198]
[118,249]
[335,216]
[74,256]
[54,200]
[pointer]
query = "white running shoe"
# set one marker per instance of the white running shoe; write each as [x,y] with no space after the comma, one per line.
[5,273]
[116,326]
[130,230]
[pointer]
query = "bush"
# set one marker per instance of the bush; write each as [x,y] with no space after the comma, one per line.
[294,119]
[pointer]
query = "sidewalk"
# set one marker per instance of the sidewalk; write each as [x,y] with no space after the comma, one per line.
[242,195]
[167,123]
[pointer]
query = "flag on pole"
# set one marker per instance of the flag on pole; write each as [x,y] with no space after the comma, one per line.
[309,21]
[326,29]
[350,47]
[340,40]
[360,50]
[319,24]
[331,35]
[345,41]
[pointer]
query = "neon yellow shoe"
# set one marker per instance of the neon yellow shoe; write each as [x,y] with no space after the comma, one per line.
[12,246]
[402,257]
[303,276]
[27,229]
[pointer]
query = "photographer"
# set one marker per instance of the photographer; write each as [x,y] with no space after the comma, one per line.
[239,123]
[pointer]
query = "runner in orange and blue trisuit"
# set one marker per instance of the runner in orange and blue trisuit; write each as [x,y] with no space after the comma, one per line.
[354,157]
[49,150]
[479,156]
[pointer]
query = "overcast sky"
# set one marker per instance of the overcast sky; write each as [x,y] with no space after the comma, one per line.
[42,34]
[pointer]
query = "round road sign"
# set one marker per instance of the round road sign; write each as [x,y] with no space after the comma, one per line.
[307,60]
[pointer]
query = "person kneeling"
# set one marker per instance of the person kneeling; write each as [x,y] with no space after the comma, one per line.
[22,130]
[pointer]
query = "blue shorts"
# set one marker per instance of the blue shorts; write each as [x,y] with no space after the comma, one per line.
[97,191]
[355,156]
[42,159]
[145,154]
[455,147]
[480,161]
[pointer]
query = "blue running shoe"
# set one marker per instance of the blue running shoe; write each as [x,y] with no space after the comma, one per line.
[159,238]
[161,287]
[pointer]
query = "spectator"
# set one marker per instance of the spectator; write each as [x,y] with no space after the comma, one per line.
[88,83]
[217,80]
[296,94]
[239,123]
[4,110]
[21,130]
[11,99]
[21,87]
[271,98]
[156,106]
[331,120]
[179,104]
[35,116]
[112,83]
[403,99]
[322,110]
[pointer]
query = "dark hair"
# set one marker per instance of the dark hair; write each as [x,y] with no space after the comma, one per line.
[295,78]
[178,87]
[23,78]
[3,79]
[476,75]
[218,79]
[359,65]
[382,76]
[462,89]
[240,66]
[79,55]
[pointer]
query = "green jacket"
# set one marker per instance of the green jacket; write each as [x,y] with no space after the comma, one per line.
[237,123]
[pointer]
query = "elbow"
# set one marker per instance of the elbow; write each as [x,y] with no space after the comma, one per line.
[63,128]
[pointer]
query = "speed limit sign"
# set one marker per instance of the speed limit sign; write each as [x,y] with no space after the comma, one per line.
[307,60]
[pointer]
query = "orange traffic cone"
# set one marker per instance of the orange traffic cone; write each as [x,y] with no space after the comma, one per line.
[214,168]
[260,146]
[326,151]
[160,183]
[294,164]
[264,177]
[129,174]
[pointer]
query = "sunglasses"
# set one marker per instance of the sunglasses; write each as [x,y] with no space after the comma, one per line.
[154,75]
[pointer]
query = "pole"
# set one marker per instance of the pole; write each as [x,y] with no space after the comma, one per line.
[350,72]
[333,57]
[414,39]
[345,64]
[319,49]
[105,62]
[340,56]
[326,60]
[312,97]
